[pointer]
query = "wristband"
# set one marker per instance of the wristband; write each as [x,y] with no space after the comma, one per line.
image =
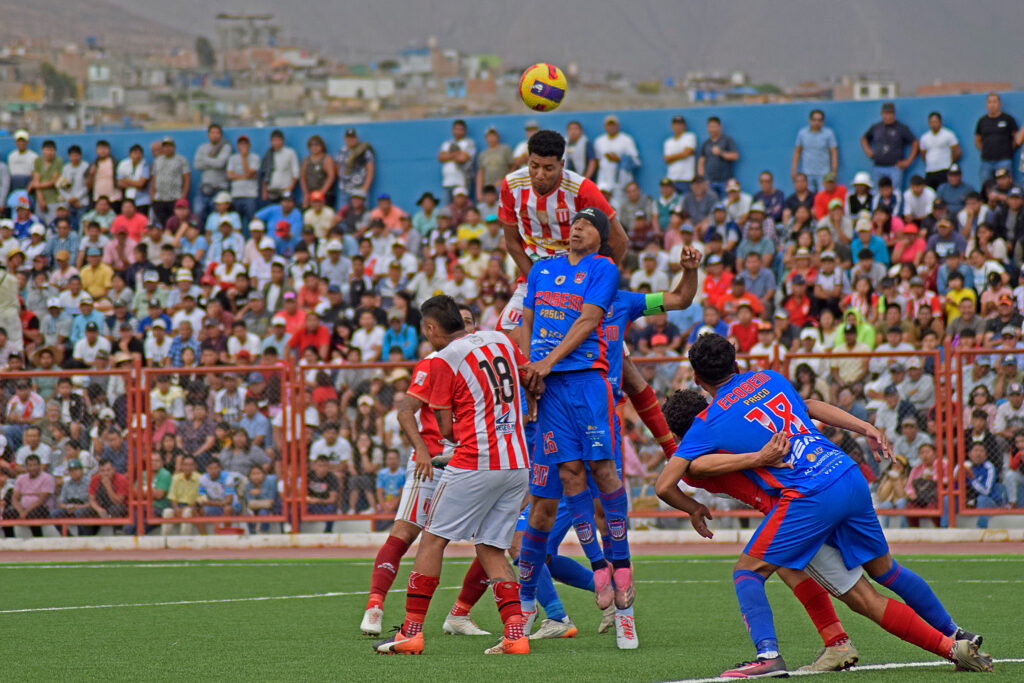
[655,303]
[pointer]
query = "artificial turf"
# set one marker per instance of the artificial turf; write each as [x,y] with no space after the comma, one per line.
[687,621]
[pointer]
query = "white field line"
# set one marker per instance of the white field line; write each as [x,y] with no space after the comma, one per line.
[176,603]
[866,667]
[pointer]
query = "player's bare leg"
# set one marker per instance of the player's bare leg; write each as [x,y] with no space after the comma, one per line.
[385,567]
[837,652]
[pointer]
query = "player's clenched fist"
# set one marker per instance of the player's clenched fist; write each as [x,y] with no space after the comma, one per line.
[690,258]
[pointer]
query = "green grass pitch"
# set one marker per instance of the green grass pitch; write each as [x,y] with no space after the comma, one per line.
[687,620]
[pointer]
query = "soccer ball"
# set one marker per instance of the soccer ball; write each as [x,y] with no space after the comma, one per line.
[542,87]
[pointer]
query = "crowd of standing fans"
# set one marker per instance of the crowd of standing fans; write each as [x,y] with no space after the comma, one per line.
[254,254]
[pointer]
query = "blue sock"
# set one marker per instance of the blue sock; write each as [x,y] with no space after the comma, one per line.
[919,597]
[571,573]
[581,506]
[548,597]
[616,509]
[531,559]
[757,613]
[606,545]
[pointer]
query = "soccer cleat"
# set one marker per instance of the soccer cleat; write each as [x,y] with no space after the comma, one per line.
[551,628]
[624,589]
[604,594]
[462,626]
[400,644]
[519,646]
[759,668]
[371,621]
[968,658]
[834,658]
[967,635]
[625,632]
[607,619]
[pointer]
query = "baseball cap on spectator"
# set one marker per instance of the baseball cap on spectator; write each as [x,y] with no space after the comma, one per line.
[809,333]
[365,400]
[283,228]
[316,196]
[121,356]
[1000,172]
[953,168]
[915,363]
[757,207]
[1006,299]
[888,107]
[358,192]
[718,207]
[666,181]
[287,194]
[863,225]
[862,178]
[732,184]
[278,320]
[798,279]
[151,276]
[93,251]
[288,295]
[107,413]
[333,289]
[181,204]
[890,390]
[897,367]
[21,134]
[828,255]
[910,228]
[764,326]
[802,252]
[53,302]
[849,328]
[491,218]
[334,245]
[92,327]
[154,303]
[916,281]
[266,243]
[159,322]
[835,204]
[37,229]
[13,251]
[350,132]
[686,227]
[531,124]
[255,378]
[1015,389]
[829,177]
[649,255]
[222,197]
[611,118]
[1015,192]
[460,191]
[714,259]
[85,299]
[939,203]
[397,374]
[781,314]
[256,225]
[183,276]
[1008,331]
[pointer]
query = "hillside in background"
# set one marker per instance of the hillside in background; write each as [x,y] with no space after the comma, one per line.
[73,21]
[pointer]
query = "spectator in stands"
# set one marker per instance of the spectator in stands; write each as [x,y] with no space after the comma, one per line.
[718,153]
[983,487]
[32,498]
[108,492]
[995,136]
[772,198]
[830,192]
[172,180]
[279,172]
[242,455]
[816,152]
[457,158]
[318,173]
[940,149]
[954,190]
[1008,222]
[917,200]
[217,494]
[617,159]
[698,204]
[885,143]
[242,173]
[183,494]
[322,488]
[679,153]
[211,160]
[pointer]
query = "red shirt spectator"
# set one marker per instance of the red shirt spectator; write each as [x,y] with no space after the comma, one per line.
[134,225]
[829,191]
[745,333]
[119,482]
[319,338]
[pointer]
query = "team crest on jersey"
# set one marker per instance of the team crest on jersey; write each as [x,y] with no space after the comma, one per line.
[421,377]
[580,277]
[505,424]
[560,279]
[617,528]
[542,216]
[562,214]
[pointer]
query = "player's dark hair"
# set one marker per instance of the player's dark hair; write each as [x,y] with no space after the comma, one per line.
[713,358]
[443,310]
[681,407]
[546,143]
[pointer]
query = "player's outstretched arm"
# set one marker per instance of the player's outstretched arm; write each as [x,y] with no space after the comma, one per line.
[772,454]
[617,240]
[407,406]
[667,488]
[837,417]
[681,296]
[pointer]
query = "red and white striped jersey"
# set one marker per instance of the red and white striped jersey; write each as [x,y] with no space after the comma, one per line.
[544,220]
[420,388]
[477,378]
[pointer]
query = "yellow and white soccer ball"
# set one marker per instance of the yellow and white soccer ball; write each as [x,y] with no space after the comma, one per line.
[542,87]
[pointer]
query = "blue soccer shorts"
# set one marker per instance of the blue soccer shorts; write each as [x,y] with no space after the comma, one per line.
[574,422]
[841,513]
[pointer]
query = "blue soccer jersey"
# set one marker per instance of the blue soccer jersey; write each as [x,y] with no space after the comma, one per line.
[745,413]
[626,307]
[556,291]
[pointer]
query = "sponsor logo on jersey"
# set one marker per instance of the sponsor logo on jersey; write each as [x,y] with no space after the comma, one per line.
[421,377]
[506,423]
[580,277]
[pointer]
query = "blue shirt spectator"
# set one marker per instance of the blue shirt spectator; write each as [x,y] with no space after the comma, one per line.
[954,195]
[401,336]
[81,320]
[812,154]
[178,345]
[257,425]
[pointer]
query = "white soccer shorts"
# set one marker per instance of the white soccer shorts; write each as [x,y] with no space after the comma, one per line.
[827,568]
[478,505]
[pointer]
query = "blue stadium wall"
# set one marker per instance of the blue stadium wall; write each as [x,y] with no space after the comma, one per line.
[407,150]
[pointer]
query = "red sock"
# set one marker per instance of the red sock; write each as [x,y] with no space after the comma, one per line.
[474,585]
[903,622]
[647,407]
[506,594]
[385,566]
[417,601]
[819,608]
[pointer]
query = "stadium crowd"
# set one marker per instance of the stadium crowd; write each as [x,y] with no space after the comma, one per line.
[281,258]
